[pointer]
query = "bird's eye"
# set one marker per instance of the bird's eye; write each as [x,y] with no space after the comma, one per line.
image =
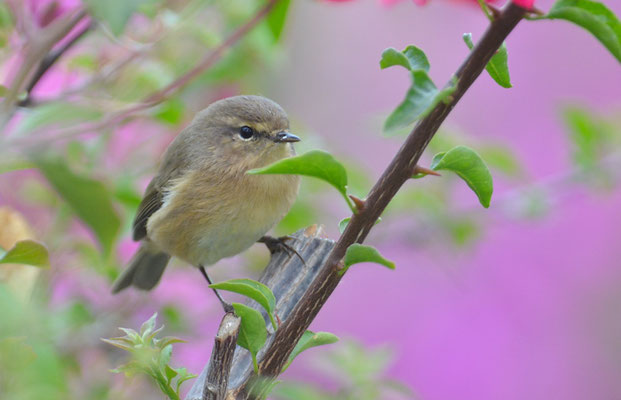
[246,132]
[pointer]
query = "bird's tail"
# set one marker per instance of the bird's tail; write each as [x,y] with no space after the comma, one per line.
[144,271]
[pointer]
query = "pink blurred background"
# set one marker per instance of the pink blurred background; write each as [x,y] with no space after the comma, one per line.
[531,310]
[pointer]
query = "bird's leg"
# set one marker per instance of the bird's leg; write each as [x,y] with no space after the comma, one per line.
[275,245]
[228,308]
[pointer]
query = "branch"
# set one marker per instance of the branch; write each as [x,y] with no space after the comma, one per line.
[37,48]
[221,358]
[396,174]
[49,60]
[164,93]
[289,278]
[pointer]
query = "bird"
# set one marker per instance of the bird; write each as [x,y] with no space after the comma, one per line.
[202,206]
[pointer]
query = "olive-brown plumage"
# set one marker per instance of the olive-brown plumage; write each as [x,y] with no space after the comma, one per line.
[202,206]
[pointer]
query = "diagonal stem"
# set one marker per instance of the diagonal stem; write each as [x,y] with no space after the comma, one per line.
[396,174]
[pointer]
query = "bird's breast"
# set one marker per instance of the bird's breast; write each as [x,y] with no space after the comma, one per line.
[206,216]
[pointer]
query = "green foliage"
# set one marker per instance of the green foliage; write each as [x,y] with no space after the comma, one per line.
[497,67]
[412,58]
[315,163]
[359,253]
[88,198]
[422,96]
[420,99]
[359,373]
[277,17]
[588,136]
[252,333]
[470,167]
[151,356]
[252,289]
[27,252]
[308,340]
[593,16]
[114,13]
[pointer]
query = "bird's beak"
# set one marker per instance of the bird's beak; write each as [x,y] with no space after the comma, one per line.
[286,137]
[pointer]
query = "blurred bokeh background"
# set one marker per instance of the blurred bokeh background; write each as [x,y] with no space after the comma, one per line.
[517,301]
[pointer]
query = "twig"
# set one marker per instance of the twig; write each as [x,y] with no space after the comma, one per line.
[164,93]
[49,60]
[37,47]
[221,358]
[396,174]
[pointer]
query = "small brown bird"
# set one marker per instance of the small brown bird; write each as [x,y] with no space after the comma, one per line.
[202,206]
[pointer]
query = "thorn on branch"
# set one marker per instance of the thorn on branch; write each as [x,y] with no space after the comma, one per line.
[360,204]
[495,11]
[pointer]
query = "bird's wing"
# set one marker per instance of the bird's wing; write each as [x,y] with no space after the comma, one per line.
[151,202]
[173,166]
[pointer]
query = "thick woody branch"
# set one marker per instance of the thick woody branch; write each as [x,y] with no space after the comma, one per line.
[221,358]
[289,278]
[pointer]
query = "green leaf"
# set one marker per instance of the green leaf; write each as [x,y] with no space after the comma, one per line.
[56,113]
[114,13]
[315,163]
[252,333]
[310,339]
[359,253]
[277,17]
[412,58]
[253,289]
[27,252]
[420,99]
[343,224]
[470,167]
[593,16]
[587,134]
[15,165]
[345,221]
[88,198]
[497,66]
[171,111]
[3,90]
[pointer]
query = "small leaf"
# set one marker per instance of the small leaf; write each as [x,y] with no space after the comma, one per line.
[593,16]
[412,58]
[277,18]
[27,252]
[345,221]
[252,333]
[315,163]
[470,167]
[148,326]
[497,66]
[420,99]
[359,253]
[253,289]
[310,339]
[88,198]
[343,224]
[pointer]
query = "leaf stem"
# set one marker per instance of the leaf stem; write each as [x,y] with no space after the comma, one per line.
[486,10]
